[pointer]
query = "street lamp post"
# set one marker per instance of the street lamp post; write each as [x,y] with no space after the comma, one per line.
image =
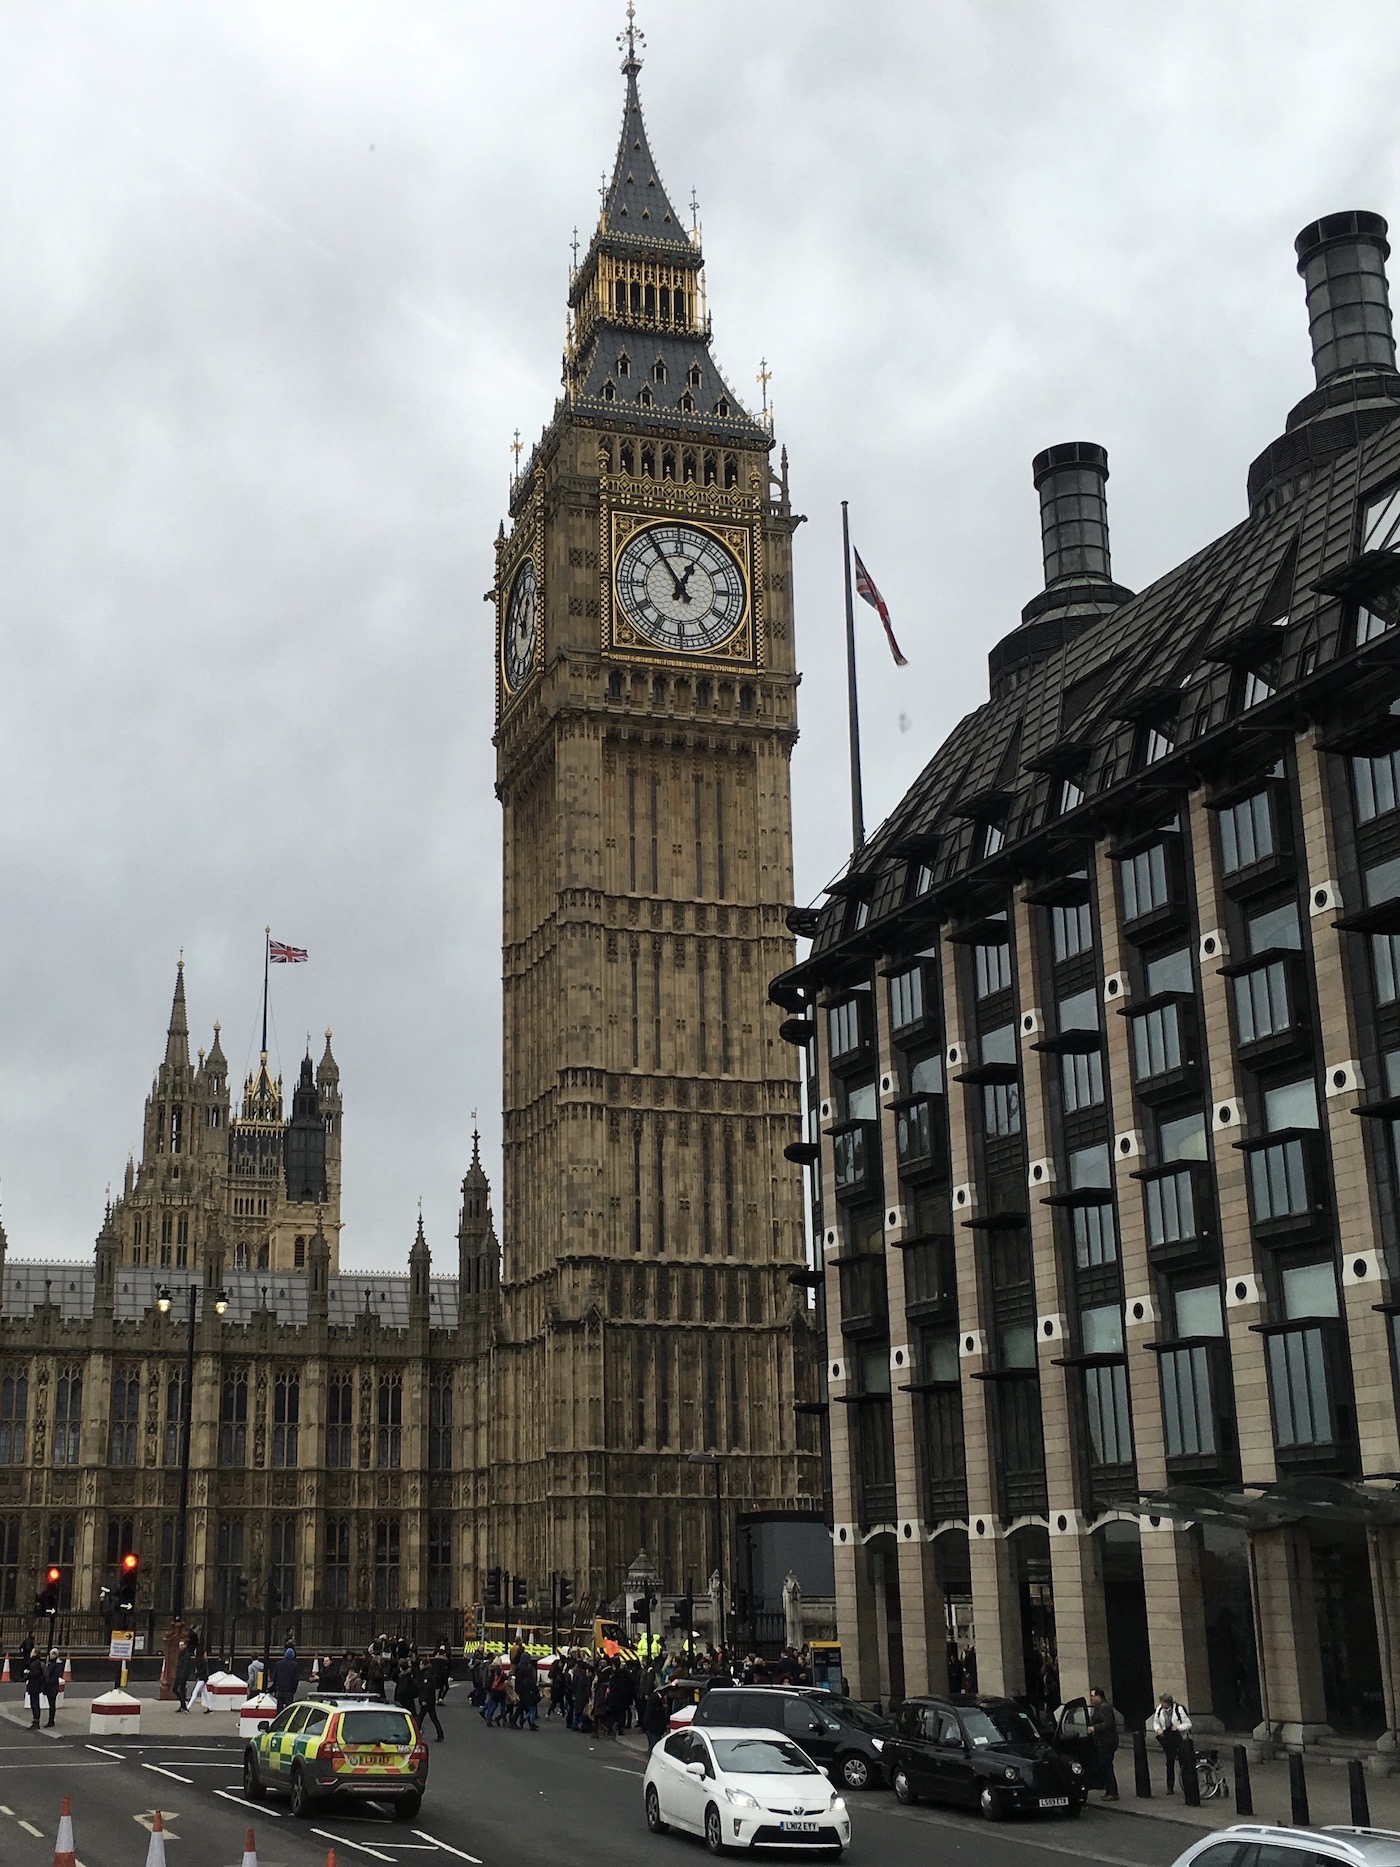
[712,1458]
[163,1304]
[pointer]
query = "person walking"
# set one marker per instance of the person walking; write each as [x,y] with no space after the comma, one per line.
[527,1689]
[1170,1724]
[184,1666]
[656,1717]
[428,1696]
[286,1678]
[53,1679]
[34,1688]
[199,1667]
[406,1688]
[1103,1728]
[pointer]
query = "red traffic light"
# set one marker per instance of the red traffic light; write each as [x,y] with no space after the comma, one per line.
[53,1576]
[130,1564]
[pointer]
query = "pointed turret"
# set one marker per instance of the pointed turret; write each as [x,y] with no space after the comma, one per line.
[177,1037]
[318,1274]
[327,1070]
[477,1251]
[636,202]
[305,1147]
[216,1063]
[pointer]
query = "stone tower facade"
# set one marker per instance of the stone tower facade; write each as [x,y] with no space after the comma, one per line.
[246,1184]
[646,690]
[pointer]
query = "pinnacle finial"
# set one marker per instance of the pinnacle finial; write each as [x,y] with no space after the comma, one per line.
[630,38]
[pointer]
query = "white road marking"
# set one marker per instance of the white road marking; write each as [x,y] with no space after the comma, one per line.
[188,1765]
[188,1781]
[227,1795]
[1007,1833]
[622,1769]
[343,1841]
[4,1810]
[30,1829]
[447,1848]
[104,1753]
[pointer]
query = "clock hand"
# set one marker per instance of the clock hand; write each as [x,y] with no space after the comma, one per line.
[666,563]
[681,591]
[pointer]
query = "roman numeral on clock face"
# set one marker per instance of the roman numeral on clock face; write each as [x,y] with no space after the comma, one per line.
[680,588]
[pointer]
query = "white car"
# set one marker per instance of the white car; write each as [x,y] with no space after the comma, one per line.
[743,1788]
[1265,1846]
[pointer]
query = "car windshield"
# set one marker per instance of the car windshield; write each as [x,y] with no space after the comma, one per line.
[762,1756]
[375,1727]
[998,1724]
[849,1712]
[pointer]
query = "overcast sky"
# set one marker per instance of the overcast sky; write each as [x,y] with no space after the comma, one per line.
[277,283]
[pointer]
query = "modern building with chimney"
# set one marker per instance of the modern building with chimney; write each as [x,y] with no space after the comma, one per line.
[1102,1031]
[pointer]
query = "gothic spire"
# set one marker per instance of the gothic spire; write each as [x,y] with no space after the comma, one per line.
[635,204]
[177,1037]
[216,1062]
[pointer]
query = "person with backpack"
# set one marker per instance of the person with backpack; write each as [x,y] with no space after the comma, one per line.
[1170,1724]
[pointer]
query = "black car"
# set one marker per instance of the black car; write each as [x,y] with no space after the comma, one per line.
[984,1753]
[846,1739]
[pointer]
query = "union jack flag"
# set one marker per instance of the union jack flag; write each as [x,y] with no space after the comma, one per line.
[865,587]
[283,955]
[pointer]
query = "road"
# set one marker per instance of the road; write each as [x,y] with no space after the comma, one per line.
[495,1799]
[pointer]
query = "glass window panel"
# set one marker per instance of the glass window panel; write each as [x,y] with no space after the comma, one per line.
[1291,1105]
[1101,1330]
[907,998]
[861,1102]
[1198,1311]
[926,1076]
[1385,963]
[1079,1013]
[992,966]
[1377,784]
[1170,972]
[1001,1109]
[1382,881]
[1017,1342]
[1171,1209]
[1182,1138]
[1081,1081]
[1071,931]
[1298,1378]
[1095,1238]
[1309,1290]
[1261,1002]
[875,1370]
[1381,522]
[1106,1405]
[1186,1409]
[1246,833]
[1275,927]
[1090,1166]
[1143,878]
[999,1046]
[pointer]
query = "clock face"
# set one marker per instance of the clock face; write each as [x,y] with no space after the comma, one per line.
[680,588]
[521,622]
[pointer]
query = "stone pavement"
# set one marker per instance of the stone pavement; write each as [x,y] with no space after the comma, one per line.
[159,1717]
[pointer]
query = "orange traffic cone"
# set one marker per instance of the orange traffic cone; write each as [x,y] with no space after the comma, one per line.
[5,1671]
[155,1853]
[250,1850]
[315,1668]
[330,1857]
[67,1671]
[63,1852]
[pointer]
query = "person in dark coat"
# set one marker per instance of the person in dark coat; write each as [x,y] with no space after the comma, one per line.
[34,1688]
[53,1680]
[527,1689]
[442,1670]
[26,1651]
[1103,1728]
[286,1677]
[428,1697]
[406,1689]
[184,1670]
[656,1717]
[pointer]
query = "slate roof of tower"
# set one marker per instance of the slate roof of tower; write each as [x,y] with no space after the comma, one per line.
[644,349]
[1091,693]
[636,205]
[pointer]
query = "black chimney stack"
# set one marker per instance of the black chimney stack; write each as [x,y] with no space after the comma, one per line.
[1341,260]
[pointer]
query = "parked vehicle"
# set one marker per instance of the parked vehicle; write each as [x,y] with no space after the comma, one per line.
[338,1749]
[745,1788]
[1257,1844]
[844,1737]
[984,1753]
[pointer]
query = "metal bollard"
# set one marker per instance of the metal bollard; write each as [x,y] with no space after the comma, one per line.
[1143,1776]
[1244,1789]
[1298,1790]
[1360,1801]
[1190,1782]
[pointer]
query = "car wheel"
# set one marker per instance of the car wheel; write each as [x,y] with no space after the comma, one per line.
[714,1830]
[254,1790]
[854,1770]
[407,1807]
[992,1804]
[903,1789]
[653,1807]
[302,1800]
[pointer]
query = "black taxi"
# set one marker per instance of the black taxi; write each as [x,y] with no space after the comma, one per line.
[983,1753]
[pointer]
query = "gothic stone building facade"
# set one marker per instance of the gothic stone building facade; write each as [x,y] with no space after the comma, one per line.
[1103,1028]
[333,1424]
[646,712]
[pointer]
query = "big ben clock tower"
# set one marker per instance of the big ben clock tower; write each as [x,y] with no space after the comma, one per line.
[646,690]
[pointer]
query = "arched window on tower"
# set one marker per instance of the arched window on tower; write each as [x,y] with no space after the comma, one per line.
[688,467]
[609,392]
[678,303]
[668,463]
[722,406]
[658,371]
[625,460]
[731,470]
[648,463]
[624,364]
[615,686]
[635,298]
[299,1254]
[694,376]
[620,295]
[687,403]
[644,396]
[605,456]
[712,470]
[665,304]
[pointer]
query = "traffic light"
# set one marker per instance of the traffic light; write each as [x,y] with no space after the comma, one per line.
[566,1592]
[685,1613]
[46,1602]
[519,1591]
[491,1595]
[240,1593]
[129,1572]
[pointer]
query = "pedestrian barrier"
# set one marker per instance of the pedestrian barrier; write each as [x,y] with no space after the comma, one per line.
[1186,1768]
[250,1850]
[1298,1790]
[155,1853]
[1142,1774]
[115,1714]
[64,1854]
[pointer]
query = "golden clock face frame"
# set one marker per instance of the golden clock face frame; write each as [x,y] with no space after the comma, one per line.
[520,626]
[680,587]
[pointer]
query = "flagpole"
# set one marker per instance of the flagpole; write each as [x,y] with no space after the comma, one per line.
[267,954]
[857,802]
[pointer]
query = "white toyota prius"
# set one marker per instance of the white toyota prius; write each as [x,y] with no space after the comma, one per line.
[743,1788]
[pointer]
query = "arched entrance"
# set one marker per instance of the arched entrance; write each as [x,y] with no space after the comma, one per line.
[1029,1549]
[1125,1614]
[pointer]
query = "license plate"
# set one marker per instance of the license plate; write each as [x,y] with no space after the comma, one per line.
[1054,1802]
[799,1828]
